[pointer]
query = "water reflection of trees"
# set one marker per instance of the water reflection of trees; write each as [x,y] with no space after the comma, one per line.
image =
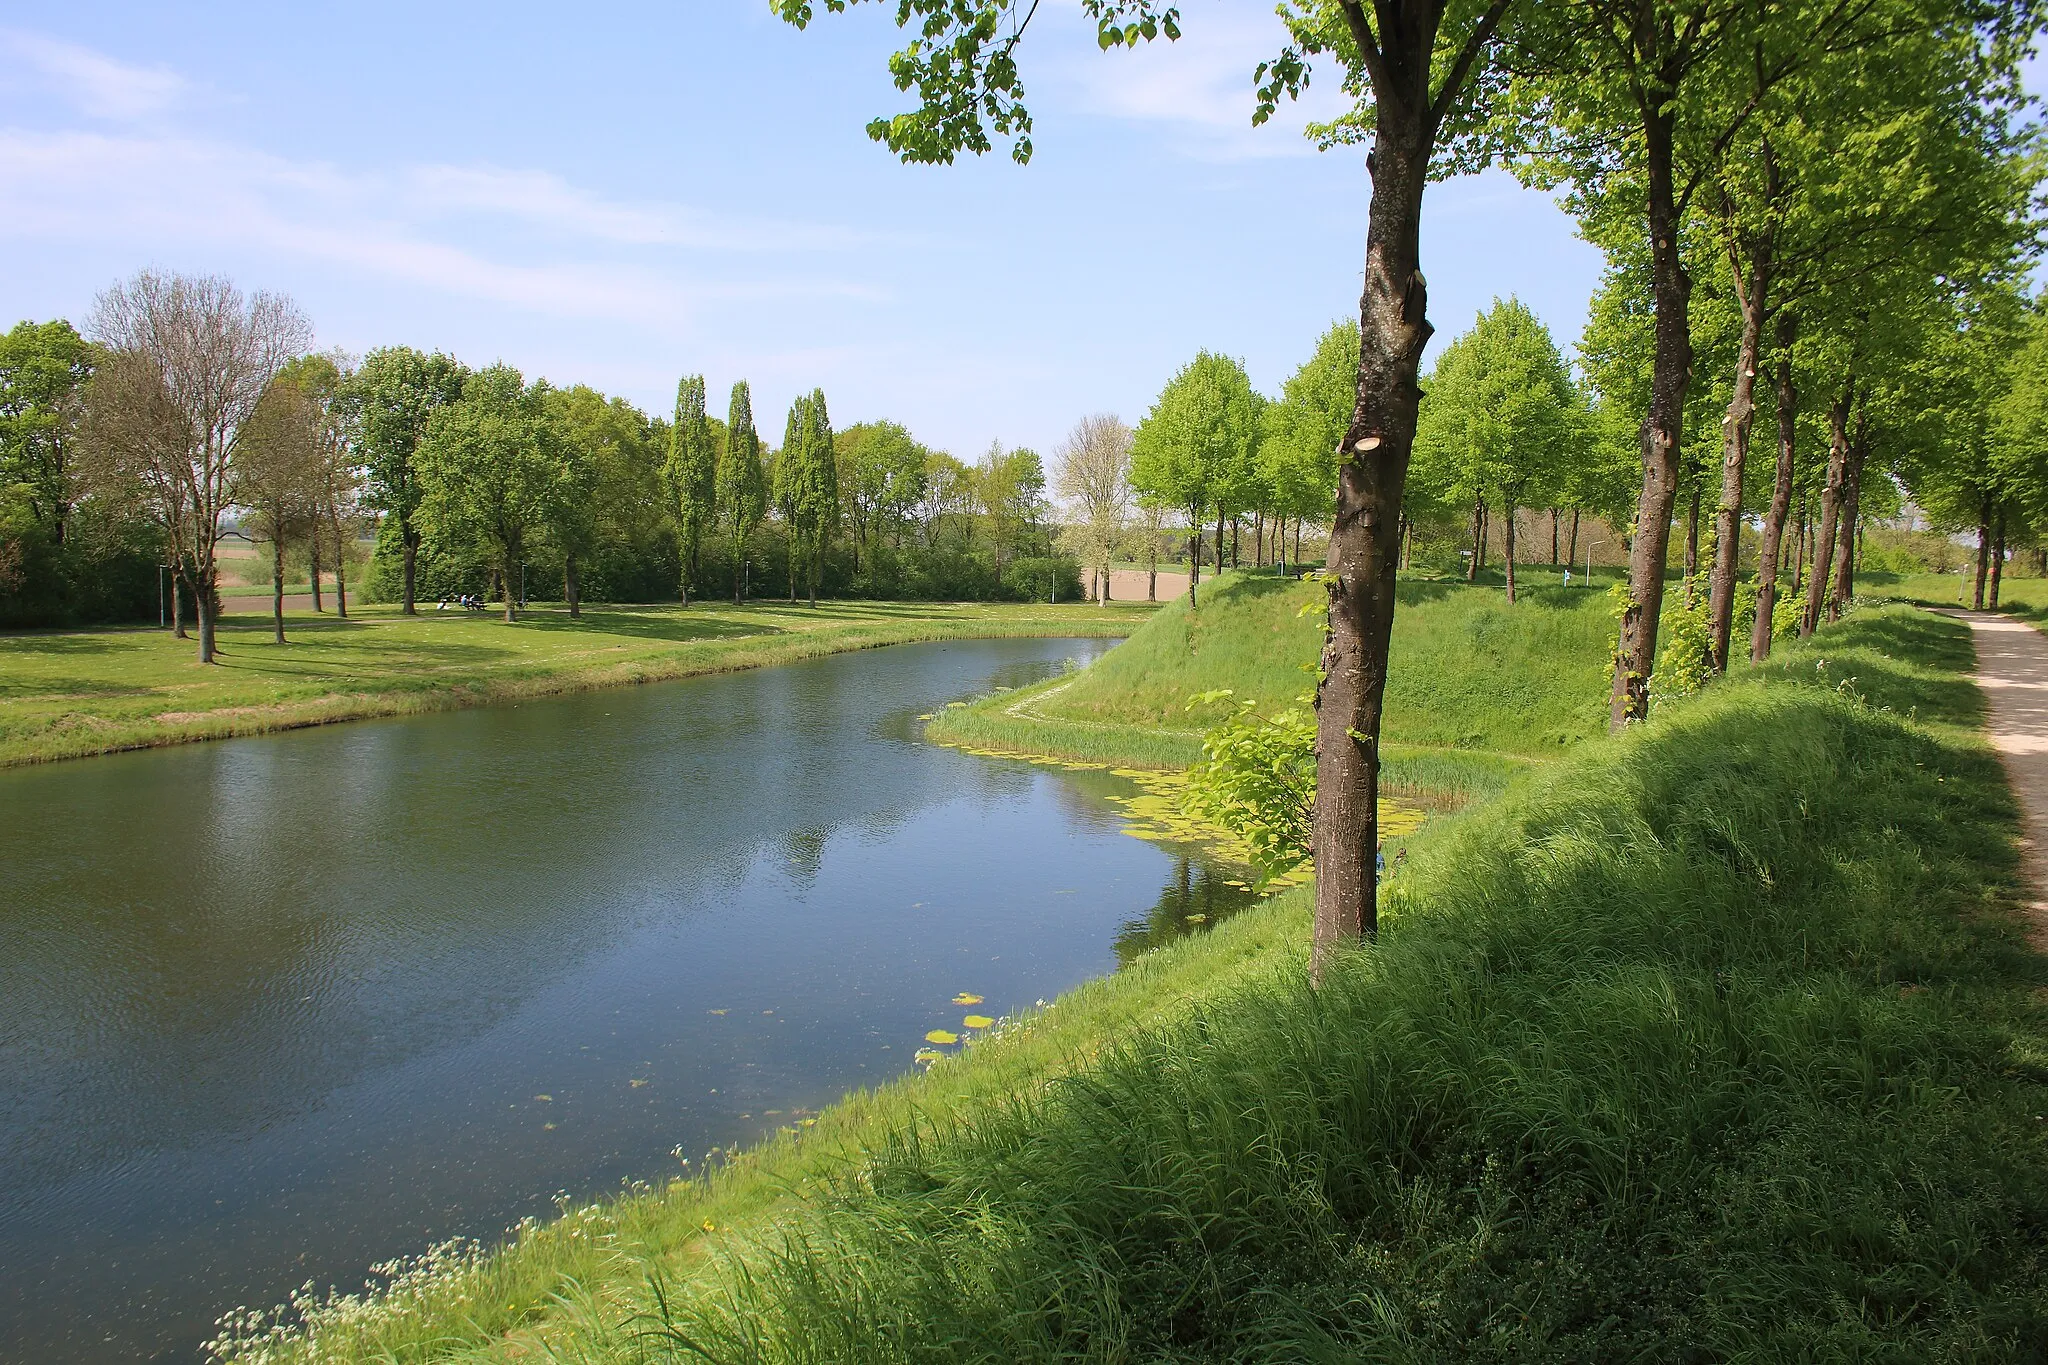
[1193,890]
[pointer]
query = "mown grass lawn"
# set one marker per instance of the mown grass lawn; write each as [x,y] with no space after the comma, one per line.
[70,693]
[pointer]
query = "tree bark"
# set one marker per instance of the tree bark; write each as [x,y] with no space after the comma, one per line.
[1478,539]
[511,598]
[1635,655]
[313,566]
[1735,429]
[203,599]
[1983,550]
[1508,538]
[178,631]
[277,589]
[1571,553]
[1555,516]
[340,572]
[1692,542]
[1997,556]
[1799,551]
[1845,542]
[409,548]
[1364,535]
[1830,508]
[1773,542]
[1194,555]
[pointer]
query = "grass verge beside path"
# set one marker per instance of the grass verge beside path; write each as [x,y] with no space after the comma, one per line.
[72,693]
[1715,1040]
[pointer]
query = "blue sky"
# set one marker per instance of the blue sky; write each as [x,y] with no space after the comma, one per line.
[623,194]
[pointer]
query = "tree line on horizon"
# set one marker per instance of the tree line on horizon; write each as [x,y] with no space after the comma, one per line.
[188,410]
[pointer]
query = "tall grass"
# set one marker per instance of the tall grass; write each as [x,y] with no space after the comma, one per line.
[1473,680]
[1467,670]
[1713,1041]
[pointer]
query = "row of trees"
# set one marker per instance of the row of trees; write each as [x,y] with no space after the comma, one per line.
[1850,178]
[189,407]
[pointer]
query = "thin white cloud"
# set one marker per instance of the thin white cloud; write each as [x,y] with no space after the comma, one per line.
[166,191]
[91,82]
[546,200]
[1199,85]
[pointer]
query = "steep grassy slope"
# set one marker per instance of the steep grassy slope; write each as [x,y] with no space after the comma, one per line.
[1468,670]
[1477,687]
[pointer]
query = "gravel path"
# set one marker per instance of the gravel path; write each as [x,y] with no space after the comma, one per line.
[2012,668]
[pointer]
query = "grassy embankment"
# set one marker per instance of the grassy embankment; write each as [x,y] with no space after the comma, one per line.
[68,693]
[2022,597]
[1477,689]
[1714,1040]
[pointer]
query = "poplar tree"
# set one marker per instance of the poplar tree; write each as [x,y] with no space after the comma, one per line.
[742,492]
[788,477]
[816,496]
[690,476]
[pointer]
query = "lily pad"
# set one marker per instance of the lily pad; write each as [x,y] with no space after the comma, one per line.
[939,1035]
[977,1021]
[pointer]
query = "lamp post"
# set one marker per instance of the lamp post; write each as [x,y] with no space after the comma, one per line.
[1589,560]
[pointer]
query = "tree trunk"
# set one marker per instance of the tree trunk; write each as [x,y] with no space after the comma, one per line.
[1152,583]
[817,567]
[277,588]
[1371,477]
[1997,556]
[1983,550]
[1830,509]
[209,608]
[1235,525]
[1478,539]
[409,548]
[313,567]
[178,631]
[1772,544]
[1555,516]
[1735,429]
[1571,551]
[340,573]
[1194,555]
[1692,542]
[572,587]
[1799,551]
[1258,539]
[511,599]
[1671,367]
[1845,544]
[1508,545]
[1219,542]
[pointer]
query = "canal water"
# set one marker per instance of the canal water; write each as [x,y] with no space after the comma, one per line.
[273,1010]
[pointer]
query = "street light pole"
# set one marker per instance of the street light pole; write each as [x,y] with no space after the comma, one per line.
[1589,560]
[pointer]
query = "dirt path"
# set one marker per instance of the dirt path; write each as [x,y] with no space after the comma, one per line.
[2012,668]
